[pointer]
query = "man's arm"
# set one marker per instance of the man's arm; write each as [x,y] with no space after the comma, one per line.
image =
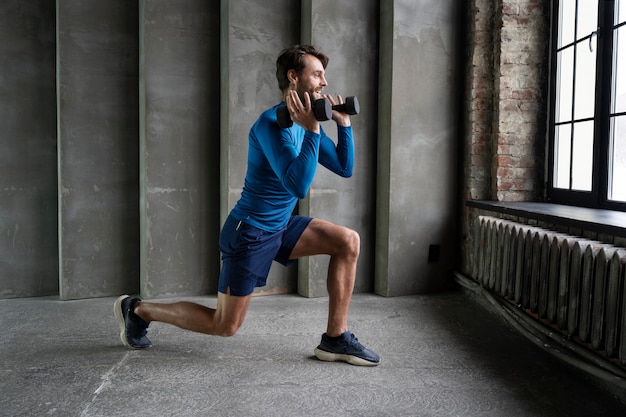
[294,168]
[339,159]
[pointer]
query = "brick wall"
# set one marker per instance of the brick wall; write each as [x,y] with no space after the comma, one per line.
[520,117]
[479,100]
[506,103]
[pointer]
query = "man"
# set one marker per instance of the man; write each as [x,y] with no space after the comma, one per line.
[261,227]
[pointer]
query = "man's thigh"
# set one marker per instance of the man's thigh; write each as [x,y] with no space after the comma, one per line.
[322,237]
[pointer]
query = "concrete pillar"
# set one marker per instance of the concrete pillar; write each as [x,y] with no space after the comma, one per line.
[179,155]
[416,186]
[28,198]
[253,34]
[346,31]
[97,145]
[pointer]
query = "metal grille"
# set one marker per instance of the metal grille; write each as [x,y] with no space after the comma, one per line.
[573,284]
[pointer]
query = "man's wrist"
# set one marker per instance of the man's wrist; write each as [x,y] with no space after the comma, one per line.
[314,129]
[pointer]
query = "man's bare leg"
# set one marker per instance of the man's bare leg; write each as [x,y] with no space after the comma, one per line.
[224,320]
[343,246]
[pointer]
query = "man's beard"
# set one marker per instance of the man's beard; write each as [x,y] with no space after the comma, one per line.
[314,94]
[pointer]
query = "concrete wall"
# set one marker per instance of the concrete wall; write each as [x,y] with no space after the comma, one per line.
[97,61]
[28,197]
[154,102]
[179,160]
[415,240]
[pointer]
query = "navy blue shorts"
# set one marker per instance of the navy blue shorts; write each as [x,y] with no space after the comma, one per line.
[248,252]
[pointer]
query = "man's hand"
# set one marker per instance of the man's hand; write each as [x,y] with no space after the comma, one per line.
[342,119]
[302,113]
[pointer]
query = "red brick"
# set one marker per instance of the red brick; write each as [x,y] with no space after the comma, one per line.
[505,101]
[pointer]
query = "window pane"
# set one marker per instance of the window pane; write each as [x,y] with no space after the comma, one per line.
[582,156]
[619,71]
[566,22]
[620,11]
[584,100]
[562,153]
[587,17]
[617,171]
[564,85]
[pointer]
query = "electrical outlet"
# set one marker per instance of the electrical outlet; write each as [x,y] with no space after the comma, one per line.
[433,253]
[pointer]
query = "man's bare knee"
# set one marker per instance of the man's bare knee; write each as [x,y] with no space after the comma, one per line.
[352,246]
[229,314]
[228,330]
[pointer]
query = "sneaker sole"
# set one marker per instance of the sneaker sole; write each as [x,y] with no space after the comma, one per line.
[338,357]
[119,315]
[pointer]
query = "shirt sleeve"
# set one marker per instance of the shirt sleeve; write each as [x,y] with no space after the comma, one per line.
[294,167]
[339,159]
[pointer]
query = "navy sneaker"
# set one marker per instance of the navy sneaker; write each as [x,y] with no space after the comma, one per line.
[345,348]
[132,328]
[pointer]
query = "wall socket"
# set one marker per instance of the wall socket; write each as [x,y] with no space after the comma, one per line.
[433,253]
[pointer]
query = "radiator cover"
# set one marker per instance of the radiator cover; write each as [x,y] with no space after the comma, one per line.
[572,284]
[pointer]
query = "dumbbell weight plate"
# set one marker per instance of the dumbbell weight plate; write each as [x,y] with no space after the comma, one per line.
[321,108]
[351,106]
[283,118]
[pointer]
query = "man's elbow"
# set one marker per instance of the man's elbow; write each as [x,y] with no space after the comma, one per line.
[300,194]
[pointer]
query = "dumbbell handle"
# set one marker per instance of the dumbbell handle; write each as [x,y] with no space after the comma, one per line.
[322,110]
[351,106]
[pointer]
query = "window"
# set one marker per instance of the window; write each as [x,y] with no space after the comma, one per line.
[587,155]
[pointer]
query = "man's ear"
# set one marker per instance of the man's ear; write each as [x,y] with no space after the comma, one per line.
[292,76]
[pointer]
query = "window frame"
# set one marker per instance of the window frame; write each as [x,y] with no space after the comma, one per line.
[598,196]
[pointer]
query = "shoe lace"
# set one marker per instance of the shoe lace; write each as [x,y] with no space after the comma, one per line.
[354,342]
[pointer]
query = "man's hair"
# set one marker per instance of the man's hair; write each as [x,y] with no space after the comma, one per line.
[294,58]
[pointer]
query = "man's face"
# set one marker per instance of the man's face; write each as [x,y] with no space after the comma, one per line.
[311,79]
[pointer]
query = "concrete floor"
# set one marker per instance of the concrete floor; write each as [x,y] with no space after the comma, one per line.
[442,355]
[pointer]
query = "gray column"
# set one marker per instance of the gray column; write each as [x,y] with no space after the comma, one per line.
[416,185]
[253,34]
[179,156]
[347,32]
[97,145]
[28,198]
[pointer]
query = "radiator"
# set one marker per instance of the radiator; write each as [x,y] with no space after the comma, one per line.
[572,284]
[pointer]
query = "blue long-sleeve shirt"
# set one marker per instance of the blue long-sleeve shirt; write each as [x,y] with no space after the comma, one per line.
[281,168]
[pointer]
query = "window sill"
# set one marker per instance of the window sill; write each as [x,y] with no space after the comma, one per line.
[596,220]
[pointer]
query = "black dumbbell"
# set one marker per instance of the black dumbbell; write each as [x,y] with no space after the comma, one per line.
[322,110]
[351,106]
